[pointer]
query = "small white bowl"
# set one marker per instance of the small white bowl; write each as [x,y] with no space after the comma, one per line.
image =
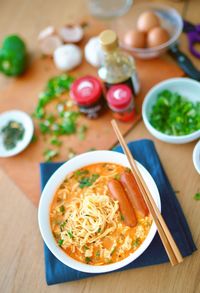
[188,88]
[196,157]
[48,194]
[27,123]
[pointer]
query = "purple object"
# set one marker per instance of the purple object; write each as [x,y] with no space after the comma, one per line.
[193,33]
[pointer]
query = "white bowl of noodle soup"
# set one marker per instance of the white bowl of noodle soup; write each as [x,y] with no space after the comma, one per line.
[52,186]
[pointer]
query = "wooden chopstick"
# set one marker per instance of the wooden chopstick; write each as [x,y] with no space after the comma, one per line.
[171,248]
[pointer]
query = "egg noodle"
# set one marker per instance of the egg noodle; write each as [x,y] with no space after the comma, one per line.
[86,221]
[91,218]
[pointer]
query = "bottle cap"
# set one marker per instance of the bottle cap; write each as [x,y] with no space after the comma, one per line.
[86,90]
[108,40]
[119,96]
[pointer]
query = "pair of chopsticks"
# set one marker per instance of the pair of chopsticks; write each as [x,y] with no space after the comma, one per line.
[171,248]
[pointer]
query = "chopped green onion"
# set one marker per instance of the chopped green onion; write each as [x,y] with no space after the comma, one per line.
[173,114]
[197,196]
[60,242]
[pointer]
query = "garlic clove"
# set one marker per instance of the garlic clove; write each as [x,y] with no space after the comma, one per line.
[49,40]
[71,33]
[67,57]
[93,52]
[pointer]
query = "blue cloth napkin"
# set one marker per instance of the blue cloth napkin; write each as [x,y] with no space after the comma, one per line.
[143,151]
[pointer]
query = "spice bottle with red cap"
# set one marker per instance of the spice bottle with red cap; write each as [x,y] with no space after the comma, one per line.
[87,94]
[120,100]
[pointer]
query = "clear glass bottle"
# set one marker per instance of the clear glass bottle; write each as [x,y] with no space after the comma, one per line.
[118,67]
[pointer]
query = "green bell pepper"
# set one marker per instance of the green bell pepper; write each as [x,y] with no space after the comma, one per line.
[13,56]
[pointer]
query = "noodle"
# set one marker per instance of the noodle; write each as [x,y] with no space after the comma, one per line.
[86,221]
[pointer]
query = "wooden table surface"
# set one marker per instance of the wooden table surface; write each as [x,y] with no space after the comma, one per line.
[21,246]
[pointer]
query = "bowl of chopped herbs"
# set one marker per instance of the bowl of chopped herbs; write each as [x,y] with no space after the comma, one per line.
[171,110]
[16,132]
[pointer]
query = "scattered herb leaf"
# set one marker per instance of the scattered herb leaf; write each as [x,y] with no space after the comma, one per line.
[88,181]
[70,234]
[62,209]
[197,196]
[60,242]
[55,141]
[97,253]
[81,132]
[88,259]
[50,154]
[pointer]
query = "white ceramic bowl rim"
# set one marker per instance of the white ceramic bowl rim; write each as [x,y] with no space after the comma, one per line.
[196,156]
[49,191]
[168,82]
[170,41]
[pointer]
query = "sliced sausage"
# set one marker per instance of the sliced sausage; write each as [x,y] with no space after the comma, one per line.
[130,185]
[118,193]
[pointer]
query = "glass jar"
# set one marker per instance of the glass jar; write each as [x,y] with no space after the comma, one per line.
[120,100]
[87,94]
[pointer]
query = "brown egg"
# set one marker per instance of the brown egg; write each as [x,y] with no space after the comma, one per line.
[135,39]
[157,36]
[147,20]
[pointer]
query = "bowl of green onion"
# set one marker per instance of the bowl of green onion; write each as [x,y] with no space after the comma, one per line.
[171,110]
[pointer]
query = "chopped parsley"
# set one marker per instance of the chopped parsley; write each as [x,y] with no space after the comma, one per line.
[99,230]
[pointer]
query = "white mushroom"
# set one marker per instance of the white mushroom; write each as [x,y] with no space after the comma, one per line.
[93,52]
[71,33]
[67,57]
[49,41]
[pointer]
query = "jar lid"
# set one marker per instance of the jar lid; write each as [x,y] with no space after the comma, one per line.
[86,90]
[108,40]
[119,96]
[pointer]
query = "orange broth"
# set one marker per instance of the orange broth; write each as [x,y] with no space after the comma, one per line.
[116,245]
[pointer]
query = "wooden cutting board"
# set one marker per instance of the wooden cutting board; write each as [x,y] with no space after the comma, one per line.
[23,94]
